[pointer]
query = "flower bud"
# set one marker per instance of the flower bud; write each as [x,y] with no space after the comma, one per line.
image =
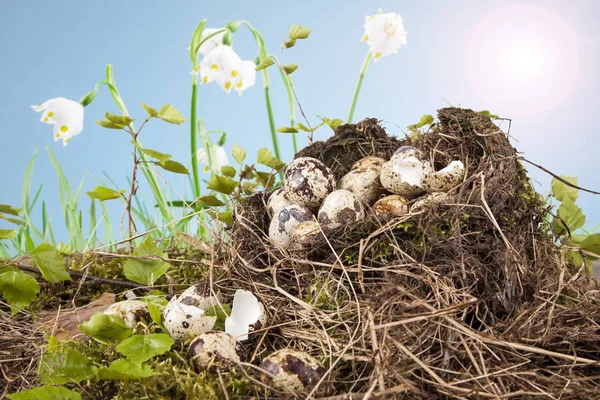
[227,38]
[87,98]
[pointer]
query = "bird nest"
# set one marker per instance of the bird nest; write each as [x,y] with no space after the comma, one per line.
[467,298]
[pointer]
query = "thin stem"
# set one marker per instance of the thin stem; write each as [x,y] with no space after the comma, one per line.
[288,87]
[358,86]
[193,135]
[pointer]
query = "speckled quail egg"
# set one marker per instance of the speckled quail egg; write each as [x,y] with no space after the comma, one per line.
[130,311]
[391,206]
[409,151]
[364,183]
[444,179]
[341,206]
[404,175]
[277,201]
[284,223]
[429,200]
[183,317]
[212,350]
[308,181]
[369,162]
[305,235]
[292,371]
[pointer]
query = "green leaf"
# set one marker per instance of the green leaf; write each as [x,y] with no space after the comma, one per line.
[157,155]
[222,184]
[6,209]
[290,68]
[265,179]
[146,272]
[238,153]
[426,119]
[110,125]
[264,63]
[124,120]
[11,220]
[571,214]
[574,258]
[173,166]
[333,123]
[221,312]
[228,171]
[7,234]
[140,348]
[45,393]
[265,157]
[155,312]
[108,328]
[225,217]
[289,44]
[248,187]
[285,129]
[209,201]
[169,114]
[152,112]
[103,193]
[303,127]
[592,244]
[61,364]
[18,289]
[50,263]
[488,114]
[195,42]
[123,370]
[564,192]
[299,32]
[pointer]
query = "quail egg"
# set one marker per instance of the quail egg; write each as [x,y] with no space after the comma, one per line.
[404,175]
[305,235]
[130,311]
[391,206]
[409,151]
[212,350]
[444,179]
[364,183]
[369,162]
[292,371]
[341,206]
[284,223]
[308,181]
[277,201]
[429,200]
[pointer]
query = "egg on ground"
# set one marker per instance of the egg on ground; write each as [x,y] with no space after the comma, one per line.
[292,371]
[216,349]
[284,223]
[130,311]
[391,206]
[369,162]
[308,181]
[404,175]
[277,201]
[444,179]
[184,316]
[341,206]
[364,183]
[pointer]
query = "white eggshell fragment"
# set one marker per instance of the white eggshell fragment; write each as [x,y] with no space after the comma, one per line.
[341,206]
[444,179]
[284,223]
[369,162]
[404,175]
[292,371]
[212,350]
[277,201]
[391,206]
[247,315]
[364,183]
[308,181]
[130,311]
[429,200]
[409,151]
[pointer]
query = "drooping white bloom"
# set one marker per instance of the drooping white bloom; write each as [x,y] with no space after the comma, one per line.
[245,311]
[384,33]
[221,158]
[247,76]
[223,66]
[212,43]
[66,116]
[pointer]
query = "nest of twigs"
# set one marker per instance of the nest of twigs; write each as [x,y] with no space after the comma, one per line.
[470,298]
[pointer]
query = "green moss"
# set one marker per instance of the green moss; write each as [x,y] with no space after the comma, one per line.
[324,293]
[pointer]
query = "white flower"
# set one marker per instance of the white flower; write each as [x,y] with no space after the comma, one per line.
[245,311]
[247,76]
[66,116]
[221,158]
[211,43]
[224,66]
[384,33]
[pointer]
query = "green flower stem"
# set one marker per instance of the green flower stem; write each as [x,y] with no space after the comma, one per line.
[358,86]
[288,87]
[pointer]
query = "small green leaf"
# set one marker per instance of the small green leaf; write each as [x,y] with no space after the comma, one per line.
[333,123]
[45,393]
[289,44]
[50,263]
[285,129]
[18,289]
[140,348]
[574,258]
[571,214]
[169,114]
[228,171]
[290,68]
[209,201]
[195,41]
[299,32]
[303,127]
[110,125]
[103,193]
[172,166]
[11,220]
[265,157]
[247,172]
[221,311]
[124,120]
[143,271]
[155,312]
[265,179]
[6,209]
[264,63]
[61,364]
[426,119]
[248,187]
[108,328]
[488,114]
[152,112]
[226,218]
[7,234]
[222,184]
[564,192]
[238,153]
[157,155]
[123,370]
[592,244]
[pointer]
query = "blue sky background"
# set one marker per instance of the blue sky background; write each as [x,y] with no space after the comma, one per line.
[52,49]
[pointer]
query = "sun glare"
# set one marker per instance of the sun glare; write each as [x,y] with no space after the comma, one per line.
[522,60]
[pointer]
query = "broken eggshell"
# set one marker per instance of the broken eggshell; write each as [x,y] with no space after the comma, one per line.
[277,201]
[391,206]
[404,175]
[308,181]
[184,317]
[444,179]
[247,315]
[409,151]
[341,206]
[284,223]
[429,200]
[364,183]
[292,371]
[216,349]
[368,162]
[130,311]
